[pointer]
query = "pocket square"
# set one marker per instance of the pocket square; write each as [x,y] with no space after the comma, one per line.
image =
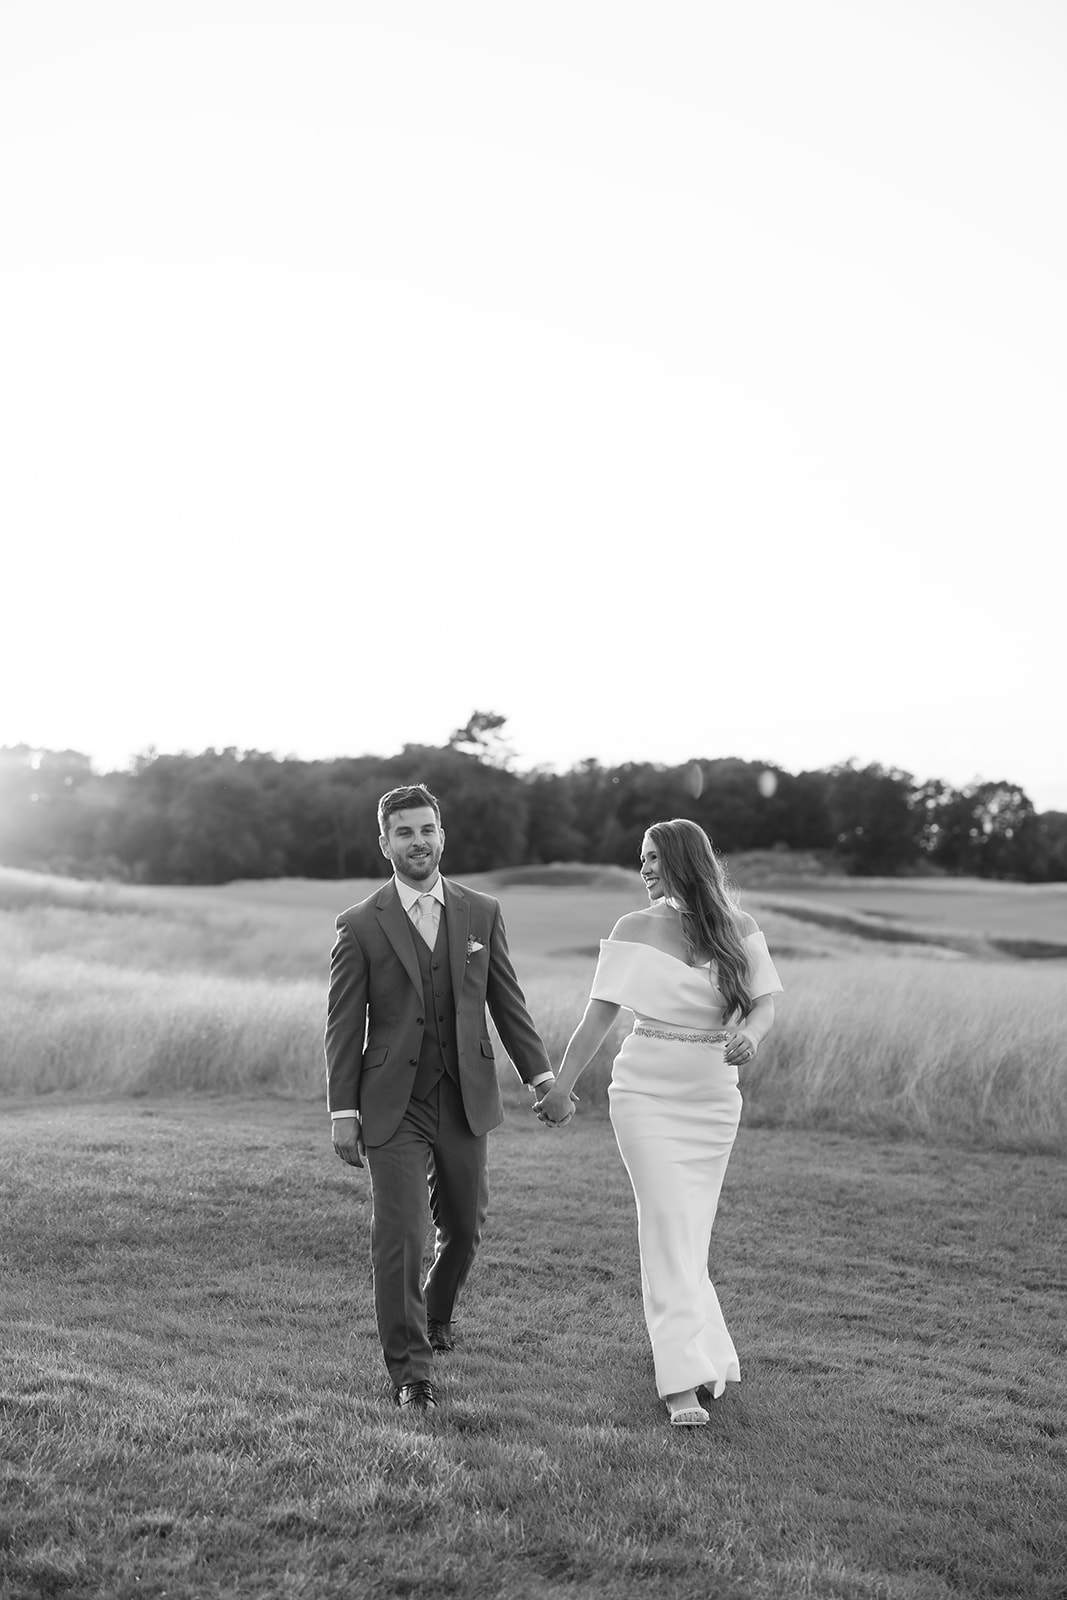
[473,946]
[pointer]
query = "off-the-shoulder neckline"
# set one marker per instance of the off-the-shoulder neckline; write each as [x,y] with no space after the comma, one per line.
[705,966]
[638,944]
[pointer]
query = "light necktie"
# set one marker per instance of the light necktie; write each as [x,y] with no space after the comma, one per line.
[424,918]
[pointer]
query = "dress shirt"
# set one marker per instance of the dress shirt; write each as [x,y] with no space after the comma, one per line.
[409,897]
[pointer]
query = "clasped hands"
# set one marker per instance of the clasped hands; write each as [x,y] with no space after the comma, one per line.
[555,1107]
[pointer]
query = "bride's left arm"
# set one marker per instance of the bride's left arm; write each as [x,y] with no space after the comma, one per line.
[584,1043]
[756,1026]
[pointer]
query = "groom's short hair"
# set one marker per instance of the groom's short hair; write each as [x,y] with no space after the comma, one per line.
[403,799]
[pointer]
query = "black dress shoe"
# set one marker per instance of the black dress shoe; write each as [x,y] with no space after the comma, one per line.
[439,1334]
[418,1396]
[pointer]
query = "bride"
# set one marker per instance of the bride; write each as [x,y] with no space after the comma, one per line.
[695,971]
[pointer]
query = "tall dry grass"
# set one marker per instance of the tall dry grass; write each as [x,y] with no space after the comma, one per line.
[77,1026]
[136,992]
[967,1053]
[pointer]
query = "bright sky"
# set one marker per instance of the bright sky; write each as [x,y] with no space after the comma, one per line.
[676,379]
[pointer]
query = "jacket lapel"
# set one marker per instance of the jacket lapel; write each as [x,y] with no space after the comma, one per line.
[458,912]
[397,929]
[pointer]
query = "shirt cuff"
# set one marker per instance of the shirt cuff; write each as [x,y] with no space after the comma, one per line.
[542,1077]
[335,1114]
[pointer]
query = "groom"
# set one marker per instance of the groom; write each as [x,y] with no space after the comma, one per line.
[411,1079]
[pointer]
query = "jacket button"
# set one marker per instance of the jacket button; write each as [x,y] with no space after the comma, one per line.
[420,1021]
[414,1061]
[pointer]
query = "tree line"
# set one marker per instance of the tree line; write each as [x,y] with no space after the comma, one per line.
[224,814]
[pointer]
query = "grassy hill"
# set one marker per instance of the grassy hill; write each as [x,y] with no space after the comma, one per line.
[816,914]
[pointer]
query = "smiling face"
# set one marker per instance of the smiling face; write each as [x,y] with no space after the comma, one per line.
[413,841]
[650,874]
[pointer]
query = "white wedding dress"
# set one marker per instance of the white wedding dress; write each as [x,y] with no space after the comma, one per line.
[675,1107]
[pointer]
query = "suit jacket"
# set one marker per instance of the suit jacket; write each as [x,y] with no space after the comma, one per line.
[375,1024]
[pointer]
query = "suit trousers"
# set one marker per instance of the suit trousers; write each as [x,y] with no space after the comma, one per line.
[433,1166]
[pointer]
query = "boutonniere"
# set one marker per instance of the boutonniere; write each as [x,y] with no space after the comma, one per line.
[472,948]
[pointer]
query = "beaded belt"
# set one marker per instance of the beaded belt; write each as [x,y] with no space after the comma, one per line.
[682,1036]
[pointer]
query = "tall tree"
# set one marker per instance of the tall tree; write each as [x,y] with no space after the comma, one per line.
[482,736]
[876,828]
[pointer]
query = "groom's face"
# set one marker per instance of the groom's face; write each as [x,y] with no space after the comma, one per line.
[413,841]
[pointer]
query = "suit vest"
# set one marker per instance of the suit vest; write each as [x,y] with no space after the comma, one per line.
[438,1054]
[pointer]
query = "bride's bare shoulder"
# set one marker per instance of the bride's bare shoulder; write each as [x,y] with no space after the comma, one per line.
[631,928]
[746,925]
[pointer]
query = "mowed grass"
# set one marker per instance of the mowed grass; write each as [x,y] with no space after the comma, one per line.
[943,906]
[194,1404]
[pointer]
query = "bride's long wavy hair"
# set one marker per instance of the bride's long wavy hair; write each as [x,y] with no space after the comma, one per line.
[693,875]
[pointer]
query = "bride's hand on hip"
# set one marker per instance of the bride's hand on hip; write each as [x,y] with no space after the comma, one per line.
[740,1048]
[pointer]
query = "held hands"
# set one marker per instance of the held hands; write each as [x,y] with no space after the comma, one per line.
[348,1140]
[556,1107]
[740,1048]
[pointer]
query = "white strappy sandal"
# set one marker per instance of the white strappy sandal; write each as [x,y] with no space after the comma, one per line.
[688,1417]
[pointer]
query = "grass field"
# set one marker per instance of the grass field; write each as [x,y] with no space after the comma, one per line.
[194,1405]
[192,1397]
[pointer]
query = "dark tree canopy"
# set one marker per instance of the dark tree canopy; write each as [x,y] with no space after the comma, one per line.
[225,814]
